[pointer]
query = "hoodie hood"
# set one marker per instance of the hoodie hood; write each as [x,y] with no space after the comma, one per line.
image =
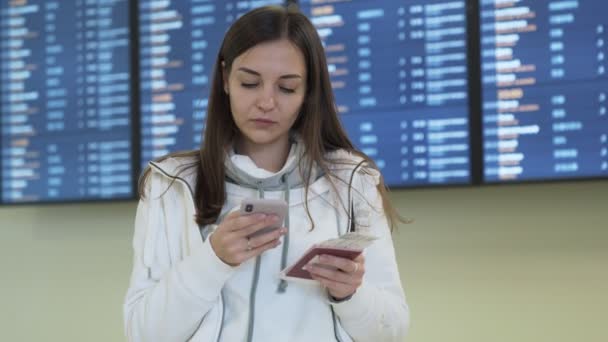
[241,170]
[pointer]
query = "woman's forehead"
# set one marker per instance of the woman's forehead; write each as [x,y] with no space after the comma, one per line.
[278,58]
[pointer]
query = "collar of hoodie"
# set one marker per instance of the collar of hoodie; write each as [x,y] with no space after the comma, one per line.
[241,170]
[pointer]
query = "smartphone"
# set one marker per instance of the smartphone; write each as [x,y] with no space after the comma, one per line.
[277,207]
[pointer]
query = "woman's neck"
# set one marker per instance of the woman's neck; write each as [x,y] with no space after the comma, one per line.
[270,157]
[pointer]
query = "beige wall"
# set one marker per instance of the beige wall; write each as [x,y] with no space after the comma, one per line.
[510,263]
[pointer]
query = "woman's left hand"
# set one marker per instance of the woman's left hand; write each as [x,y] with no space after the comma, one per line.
[342,277]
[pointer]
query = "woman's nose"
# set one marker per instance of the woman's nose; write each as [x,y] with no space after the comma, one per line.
[266,102]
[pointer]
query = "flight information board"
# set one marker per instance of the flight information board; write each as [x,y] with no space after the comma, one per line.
[399,71]
[179,42]
[545,88]
[66,128]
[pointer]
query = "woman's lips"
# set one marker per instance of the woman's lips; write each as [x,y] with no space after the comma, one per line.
[263,122]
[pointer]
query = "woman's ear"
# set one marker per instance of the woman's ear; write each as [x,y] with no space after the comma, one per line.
[225,77]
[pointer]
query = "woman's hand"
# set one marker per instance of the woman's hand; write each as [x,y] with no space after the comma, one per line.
[342,277]
[231,242]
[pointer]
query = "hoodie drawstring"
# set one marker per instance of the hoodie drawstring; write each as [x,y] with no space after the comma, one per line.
[256,272]
[283,284]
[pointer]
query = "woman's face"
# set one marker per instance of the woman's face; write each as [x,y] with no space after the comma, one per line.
[266,86]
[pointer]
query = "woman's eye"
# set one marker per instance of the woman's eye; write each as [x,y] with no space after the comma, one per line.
[249,85]
[287,90]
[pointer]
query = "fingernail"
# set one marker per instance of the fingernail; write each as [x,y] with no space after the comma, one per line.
[260,216]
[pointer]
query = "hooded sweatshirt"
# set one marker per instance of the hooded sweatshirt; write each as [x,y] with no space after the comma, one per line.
[181,291]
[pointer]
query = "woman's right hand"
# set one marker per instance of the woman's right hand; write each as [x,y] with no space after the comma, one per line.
[230,240]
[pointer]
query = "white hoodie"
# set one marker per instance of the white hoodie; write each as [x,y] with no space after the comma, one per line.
[181,291]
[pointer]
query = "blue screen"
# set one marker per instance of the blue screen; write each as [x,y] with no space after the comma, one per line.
[66,130]
[399,72]
[545,89]
[400,79]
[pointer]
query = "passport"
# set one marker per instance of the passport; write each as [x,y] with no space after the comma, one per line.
[349,246]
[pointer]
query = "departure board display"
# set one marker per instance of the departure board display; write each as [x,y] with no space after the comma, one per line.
[66,131]
[545,89]
[179,42]
[399,72]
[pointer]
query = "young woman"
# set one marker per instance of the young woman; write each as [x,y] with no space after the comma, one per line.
[272,131]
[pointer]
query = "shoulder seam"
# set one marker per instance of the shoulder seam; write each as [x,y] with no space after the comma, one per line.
[164,173]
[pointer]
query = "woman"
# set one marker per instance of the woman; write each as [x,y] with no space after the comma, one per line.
[272,131]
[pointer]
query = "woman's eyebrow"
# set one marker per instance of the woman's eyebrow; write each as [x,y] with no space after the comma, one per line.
[255,73]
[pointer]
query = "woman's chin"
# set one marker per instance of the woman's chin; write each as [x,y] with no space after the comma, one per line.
[264,138]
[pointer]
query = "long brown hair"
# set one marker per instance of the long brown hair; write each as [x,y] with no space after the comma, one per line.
[317,124]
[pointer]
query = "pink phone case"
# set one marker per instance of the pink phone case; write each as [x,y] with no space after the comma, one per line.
[277,207]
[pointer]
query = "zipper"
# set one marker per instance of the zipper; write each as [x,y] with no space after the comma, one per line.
[254,284]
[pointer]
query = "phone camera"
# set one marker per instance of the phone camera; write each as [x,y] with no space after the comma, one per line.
[249,208]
